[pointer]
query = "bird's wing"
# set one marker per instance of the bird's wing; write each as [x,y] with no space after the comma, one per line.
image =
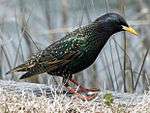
[60,54]
[57,54]
[59,62]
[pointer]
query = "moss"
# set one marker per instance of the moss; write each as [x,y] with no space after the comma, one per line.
[108,99]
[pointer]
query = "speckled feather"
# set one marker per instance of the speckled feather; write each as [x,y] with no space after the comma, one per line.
[71,54]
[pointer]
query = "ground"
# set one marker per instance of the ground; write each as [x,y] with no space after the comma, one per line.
[27,101]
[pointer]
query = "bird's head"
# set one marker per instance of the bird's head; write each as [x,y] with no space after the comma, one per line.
[113,23]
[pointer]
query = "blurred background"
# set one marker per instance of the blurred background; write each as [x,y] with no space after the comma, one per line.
[27,26]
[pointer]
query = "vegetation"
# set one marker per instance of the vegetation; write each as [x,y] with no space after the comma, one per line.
[29,103]
[27,26]
[40,98]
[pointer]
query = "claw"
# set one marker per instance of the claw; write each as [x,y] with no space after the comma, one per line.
[82,97]
[87,98]
[83,89]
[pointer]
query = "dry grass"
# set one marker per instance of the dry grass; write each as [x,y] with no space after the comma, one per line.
[29,103]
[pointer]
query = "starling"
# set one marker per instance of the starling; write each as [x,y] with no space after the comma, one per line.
[76,51]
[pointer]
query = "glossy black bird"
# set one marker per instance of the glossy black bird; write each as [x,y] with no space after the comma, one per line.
[76,51]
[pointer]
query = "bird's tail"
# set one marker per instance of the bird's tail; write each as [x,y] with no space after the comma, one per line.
[22,67]
[26,75]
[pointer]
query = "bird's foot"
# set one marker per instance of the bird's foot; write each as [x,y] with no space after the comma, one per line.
[85,90]
[82,97]
[82,89]
[87,98]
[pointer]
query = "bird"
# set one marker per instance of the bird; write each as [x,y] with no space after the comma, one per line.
[75,51]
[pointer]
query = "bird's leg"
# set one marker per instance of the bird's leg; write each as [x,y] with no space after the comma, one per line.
[81,88]
[83,97]
[70,90]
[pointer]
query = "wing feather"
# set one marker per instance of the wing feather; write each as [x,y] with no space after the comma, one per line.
[57,54]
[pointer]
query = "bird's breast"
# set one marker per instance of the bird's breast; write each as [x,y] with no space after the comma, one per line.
[83,61]
[88,56]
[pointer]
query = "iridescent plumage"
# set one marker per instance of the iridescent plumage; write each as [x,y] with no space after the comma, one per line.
[76,51]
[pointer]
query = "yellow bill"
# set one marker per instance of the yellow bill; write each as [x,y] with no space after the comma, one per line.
[130,30]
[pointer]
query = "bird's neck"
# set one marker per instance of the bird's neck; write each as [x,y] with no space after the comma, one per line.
[98,36]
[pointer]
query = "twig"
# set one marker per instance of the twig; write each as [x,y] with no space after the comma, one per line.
[136,83]
[113,65]
[109,71]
